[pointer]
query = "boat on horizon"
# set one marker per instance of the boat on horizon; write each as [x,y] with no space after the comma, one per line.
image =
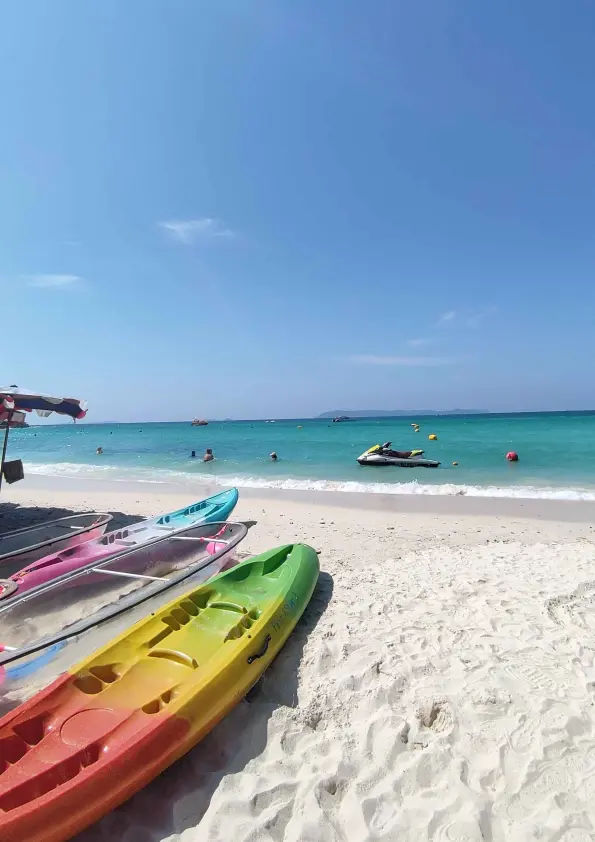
[199,422]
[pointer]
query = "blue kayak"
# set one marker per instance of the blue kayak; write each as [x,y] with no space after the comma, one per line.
[213,509]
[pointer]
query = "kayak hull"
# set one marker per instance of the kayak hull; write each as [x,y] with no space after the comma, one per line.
[99,733]
[213,509]
[91,608]
[25,546]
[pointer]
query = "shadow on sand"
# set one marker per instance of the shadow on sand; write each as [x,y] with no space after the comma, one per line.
[14,516]
[178,799]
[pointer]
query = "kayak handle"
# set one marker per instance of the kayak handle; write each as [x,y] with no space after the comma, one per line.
[260,652]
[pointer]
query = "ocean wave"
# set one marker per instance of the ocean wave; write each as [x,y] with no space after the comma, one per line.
[163,476]
[85,471]
[445,489]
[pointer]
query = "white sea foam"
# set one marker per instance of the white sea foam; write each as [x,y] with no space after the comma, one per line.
[445,489]
[161,476]
[83,471]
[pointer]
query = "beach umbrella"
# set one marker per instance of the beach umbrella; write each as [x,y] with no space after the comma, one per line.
[14,400]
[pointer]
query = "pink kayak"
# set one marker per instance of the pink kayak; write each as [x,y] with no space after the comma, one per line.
[216,508]
[69,561]
[24,546]
[89,607]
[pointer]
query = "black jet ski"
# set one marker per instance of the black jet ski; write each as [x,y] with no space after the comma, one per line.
[382,454]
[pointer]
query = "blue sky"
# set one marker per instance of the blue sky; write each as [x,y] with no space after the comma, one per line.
[255,208]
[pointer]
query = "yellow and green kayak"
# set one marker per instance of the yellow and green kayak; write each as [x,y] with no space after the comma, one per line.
[106,728]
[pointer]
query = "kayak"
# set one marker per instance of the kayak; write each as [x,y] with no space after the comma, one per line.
[75,614]
[24,546]
[106,728]
[216,508]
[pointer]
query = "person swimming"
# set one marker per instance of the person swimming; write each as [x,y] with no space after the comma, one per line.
[208,457]
[274,456]
[193,454]
[99,451]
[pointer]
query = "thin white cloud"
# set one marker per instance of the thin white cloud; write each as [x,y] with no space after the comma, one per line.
[467,318]
[448,316]
[52,281]
[421,342]
[474,319]
[373,359]
[188,231]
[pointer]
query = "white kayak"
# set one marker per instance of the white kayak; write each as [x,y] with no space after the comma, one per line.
[23,546]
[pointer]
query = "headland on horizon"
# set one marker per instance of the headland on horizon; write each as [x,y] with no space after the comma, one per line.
[398,413]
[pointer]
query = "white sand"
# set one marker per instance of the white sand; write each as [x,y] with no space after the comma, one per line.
[440,685]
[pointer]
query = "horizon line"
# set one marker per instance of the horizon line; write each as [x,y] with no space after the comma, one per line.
[407,414]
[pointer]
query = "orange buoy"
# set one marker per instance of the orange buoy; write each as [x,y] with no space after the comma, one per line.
[511,456]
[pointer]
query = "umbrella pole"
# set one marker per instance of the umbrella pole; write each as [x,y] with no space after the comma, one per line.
[8,420]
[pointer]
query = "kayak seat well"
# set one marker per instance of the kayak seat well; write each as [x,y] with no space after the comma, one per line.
[24,736]
[49,779]
[266,565]
[139,683]
[111,537]
[197,507]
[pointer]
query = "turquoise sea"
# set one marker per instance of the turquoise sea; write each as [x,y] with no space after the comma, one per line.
[556,450]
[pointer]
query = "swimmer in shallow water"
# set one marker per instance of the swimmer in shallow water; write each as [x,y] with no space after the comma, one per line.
[193,454]
[99,451]
[274,456]
[208,457]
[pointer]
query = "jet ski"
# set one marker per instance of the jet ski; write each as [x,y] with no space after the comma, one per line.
[382,454]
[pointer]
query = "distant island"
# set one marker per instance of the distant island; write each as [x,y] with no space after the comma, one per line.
[397,413]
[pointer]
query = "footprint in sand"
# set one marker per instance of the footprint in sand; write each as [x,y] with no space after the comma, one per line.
[435,715]
[576,834]
[545,786]
[576,608]
[461,831]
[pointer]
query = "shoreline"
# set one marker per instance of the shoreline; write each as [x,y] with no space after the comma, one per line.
[41,487]
[401,486]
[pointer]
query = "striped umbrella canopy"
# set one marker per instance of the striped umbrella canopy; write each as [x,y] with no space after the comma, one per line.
[15,401]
